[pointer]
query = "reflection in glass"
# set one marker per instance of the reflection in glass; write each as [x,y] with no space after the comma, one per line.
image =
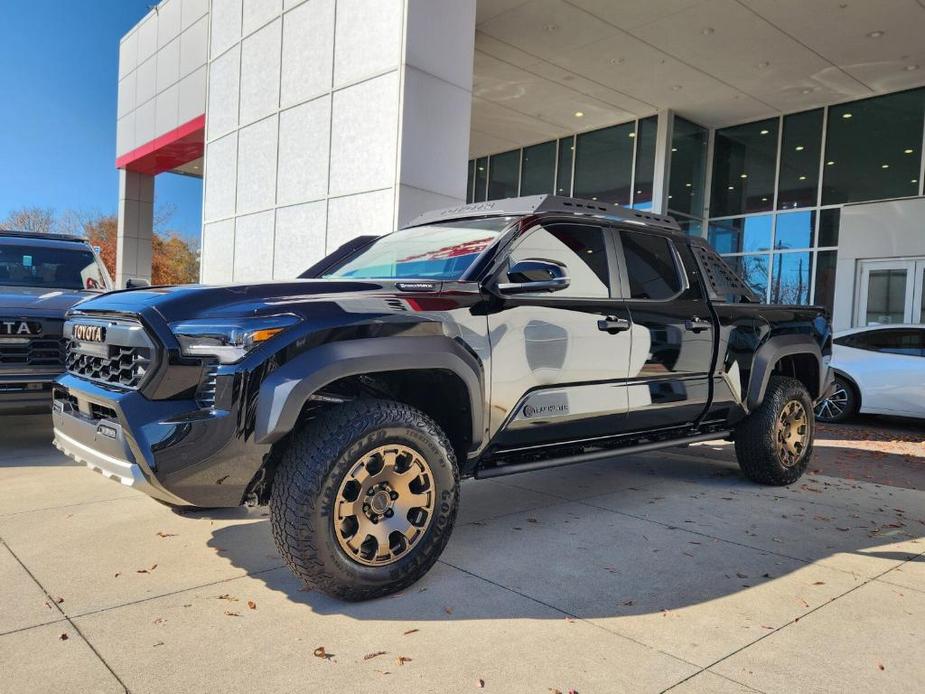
[799,160]
[744,160]
[886,296]
[825,279]
[481,179]
[754,270]
[538,169]
[645,163]
[743,235]
[564,171]
[692,227]
[604,164]
[795,230]
[470,180]
[688,167]
[828,227]
[873,148]
[503,172]
[922,312]
[791,278]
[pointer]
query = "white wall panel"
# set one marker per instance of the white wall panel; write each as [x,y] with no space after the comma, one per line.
[193,11]
[144,123]
[146,81]
[260,56]
[303,152]
[147,37]
[168,65]
[257,166]
[358,215]
[217,252]
[194,47]
[192,96]
[368,38]
[300,232]
[308,51]
[128,53]
[126,97]
[253,247]
[165,110]
[224,76]
[221,177]
[259,12]
[168,21]
[225,20]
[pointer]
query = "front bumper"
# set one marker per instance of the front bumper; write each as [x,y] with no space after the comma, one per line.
[168,449]
[26,393]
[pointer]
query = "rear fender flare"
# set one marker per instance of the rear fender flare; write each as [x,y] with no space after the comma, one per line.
[286,390]
[772,352]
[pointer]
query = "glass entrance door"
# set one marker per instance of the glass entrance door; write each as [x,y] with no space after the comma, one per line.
[891,291]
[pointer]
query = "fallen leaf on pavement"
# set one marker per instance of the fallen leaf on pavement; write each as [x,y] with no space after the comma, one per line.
[251,604]
[63,637]
[228,597]
[59,600]
[370,656]
[819,583]
[411,631]
[161,533]
[116,575]
[448,610]
[628,603]
[880,665]
[321,653]
[480,684]
[401,660]
[229,613]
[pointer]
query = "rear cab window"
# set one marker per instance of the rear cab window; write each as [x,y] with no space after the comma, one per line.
[652,269]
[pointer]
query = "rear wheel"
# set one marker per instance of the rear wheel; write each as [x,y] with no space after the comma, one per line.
[775,442]
[840,405]
[364,499]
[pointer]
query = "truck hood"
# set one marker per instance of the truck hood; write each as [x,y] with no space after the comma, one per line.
[40,301]
[199,301]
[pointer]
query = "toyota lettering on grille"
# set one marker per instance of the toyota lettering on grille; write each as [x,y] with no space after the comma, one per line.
[19,328]
[89,333]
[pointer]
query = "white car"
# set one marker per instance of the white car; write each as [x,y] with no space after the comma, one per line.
[878,370]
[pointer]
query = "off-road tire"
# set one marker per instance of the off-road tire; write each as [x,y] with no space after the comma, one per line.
[306,484]
[755,436]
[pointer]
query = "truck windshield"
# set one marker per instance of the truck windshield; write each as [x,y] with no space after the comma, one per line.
[436,251]
[54,268]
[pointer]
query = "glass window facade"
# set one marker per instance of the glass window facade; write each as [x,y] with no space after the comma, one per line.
[801,143]
[481,180]
[688,168]
[644,179]
[873,148]
[564,166]
[538,169]
[604,164]
[744,163]
[503,175]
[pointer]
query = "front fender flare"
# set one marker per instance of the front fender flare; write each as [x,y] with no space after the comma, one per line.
[767,357]
[285,391]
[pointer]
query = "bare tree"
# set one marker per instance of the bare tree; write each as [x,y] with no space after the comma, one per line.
[34,219]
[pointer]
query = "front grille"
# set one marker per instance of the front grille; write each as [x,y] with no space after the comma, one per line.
[124,366]
[123,359]
[37,351]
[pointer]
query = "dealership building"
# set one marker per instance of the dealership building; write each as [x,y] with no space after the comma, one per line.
[788,132]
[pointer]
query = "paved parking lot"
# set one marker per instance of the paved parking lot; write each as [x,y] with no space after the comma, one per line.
[647,573]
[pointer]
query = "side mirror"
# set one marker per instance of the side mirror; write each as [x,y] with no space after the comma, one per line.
[534,275]
[136,283]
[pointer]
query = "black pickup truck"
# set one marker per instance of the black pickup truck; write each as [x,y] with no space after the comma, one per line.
[42,276]
[479,341]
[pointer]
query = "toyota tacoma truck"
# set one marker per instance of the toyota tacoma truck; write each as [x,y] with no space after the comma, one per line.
[479,341]
[42,276]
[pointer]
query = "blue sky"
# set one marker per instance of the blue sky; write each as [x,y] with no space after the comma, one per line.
[58,77]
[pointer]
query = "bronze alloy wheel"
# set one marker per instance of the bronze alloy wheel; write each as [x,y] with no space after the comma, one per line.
[384,505]
[792,433]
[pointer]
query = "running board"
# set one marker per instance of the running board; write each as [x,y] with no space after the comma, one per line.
[514,468]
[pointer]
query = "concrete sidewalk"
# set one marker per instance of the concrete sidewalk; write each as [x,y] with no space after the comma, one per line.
[647,573]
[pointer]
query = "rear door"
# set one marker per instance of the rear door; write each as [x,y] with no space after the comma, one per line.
[671,352]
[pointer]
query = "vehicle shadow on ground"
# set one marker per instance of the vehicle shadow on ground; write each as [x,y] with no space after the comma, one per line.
[646,547]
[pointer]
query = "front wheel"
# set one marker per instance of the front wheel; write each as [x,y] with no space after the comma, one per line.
[364,499]
[775,442]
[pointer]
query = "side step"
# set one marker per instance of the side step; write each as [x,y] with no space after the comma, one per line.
[514,468]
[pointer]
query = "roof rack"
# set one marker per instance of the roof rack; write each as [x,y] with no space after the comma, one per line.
[538,204]
[42,235]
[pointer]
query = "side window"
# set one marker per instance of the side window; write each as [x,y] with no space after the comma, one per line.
[650,266]
[907,342]
[580,248]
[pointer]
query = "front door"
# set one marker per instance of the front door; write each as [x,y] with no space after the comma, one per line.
[672,335]
[559,359]
[890,291]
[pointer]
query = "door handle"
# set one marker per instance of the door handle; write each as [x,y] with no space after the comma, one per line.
[696,325]
[613,325]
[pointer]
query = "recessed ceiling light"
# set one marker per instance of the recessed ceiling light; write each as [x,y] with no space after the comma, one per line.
[707,31]
[884,166]
[481,168]
[632,134]
[908,151]
[763,65]
[638,192]
[799,148]
[732,187]
[551,27]
[764,199]
[802,178]
[875,34]
[808,90]
[687,185]
[579,114]
[846,115]
[910,68]
[765,132]
[674,149]
[830,163]
[616,61]
[915,180]
[676,87]
[743,175]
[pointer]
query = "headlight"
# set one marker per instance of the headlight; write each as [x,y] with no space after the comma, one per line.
[228,340]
